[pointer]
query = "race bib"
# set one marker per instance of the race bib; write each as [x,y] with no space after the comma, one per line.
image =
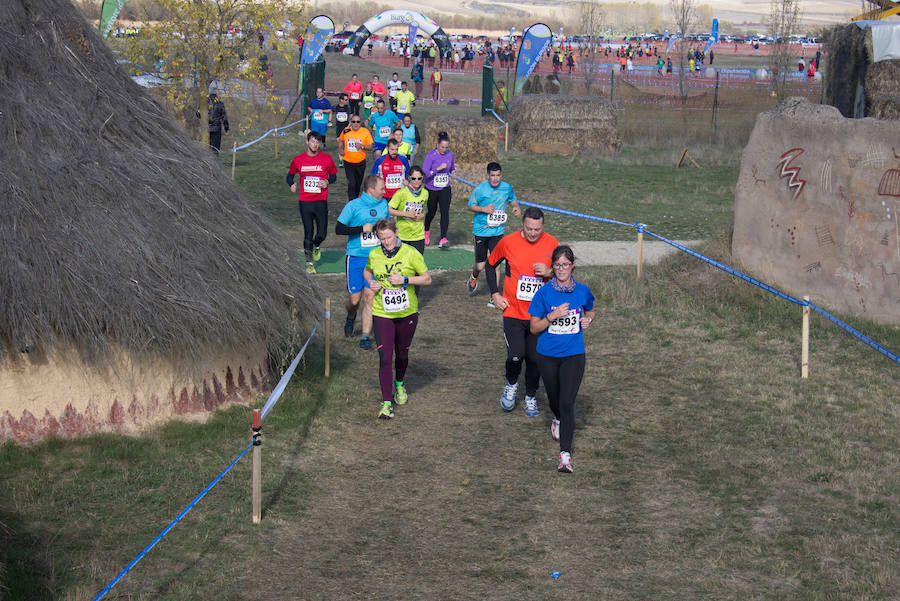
[567,324]
[354,145]
[496,219]
[311,185]
[441,180]
[384,132]
[394,299]
[342,116]
[318,116]
[368,105]
[393,181]
[527,286]
[402,108]
[355,96]
[413,206]
[368,239]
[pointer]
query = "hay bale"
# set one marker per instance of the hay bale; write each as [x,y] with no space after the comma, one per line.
[563,124]
[850,63]
[473,141]
[883,79]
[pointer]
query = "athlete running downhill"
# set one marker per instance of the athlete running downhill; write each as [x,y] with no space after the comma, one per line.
[527,254]
[489,202]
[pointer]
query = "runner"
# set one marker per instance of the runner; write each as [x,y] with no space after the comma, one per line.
[341,115]
[392,272]
[393,86]
[560,311]
[354,142]
[381,123]
[489,202]
[410,134]
[378,87]
[527,255]
[407,206]
[368,102]
[392,168]
[319,111]
[404,100]
[439,168]
[403,148]
[357,221]
[316,171]
[354,90]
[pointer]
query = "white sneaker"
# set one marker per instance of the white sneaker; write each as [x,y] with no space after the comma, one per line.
[565,463]
[531,408]
[508,398]
[554,429]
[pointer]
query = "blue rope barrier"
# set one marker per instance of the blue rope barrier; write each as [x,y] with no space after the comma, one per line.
[165,531]
[266,135]
[283,382]
[726,268]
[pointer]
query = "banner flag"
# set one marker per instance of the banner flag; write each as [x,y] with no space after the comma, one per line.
[712,38]
[413,29]
[535,41]
[672,39]
[318,33]
[108,15]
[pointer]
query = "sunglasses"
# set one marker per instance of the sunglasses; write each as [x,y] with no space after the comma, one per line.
[355,121]
[415,179]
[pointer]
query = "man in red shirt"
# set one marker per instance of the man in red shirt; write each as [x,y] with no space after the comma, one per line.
[527,255]
[392,168]
[316,171]
[354,90]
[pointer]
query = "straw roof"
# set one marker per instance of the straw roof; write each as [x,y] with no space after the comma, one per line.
[116,229]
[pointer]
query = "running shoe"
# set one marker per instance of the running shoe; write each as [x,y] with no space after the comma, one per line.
[400,395]
[472,284]
[565,463]
[341,163]
[427,232]
[531,408]
[366,344]
[348,326]
[387,412]
[491,304]
[554,429]
[444,244]
[310,268]
[508,398]
[317,254]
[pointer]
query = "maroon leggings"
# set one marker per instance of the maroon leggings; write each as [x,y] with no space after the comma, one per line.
[393,336]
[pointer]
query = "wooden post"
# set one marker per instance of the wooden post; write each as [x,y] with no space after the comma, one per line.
[233,158]
[257,467]
[804,342]
[276,142]
[506,137]
[327,336]
[640,259]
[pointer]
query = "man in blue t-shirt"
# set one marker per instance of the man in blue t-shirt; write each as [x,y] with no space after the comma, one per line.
[489,202]
[381,124]
[319,111]
[357,221]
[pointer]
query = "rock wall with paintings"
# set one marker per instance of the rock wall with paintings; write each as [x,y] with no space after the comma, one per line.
[815,209]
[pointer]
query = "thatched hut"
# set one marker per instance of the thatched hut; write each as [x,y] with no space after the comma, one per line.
[862,72]
[559,124]
[135,282]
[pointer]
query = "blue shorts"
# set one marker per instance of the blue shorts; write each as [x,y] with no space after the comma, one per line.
[354,268]
[378,147]
[321,128]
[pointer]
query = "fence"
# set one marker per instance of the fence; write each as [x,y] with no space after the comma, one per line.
[804,302]
[255,443]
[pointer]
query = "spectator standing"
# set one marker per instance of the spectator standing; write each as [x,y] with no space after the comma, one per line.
[217,121]
[436,78]
[417,74]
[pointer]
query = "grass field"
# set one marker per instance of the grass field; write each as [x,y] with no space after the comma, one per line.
[705,467]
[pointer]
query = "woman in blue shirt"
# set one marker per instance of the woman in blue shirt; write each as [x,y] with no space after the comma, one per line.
[559,311]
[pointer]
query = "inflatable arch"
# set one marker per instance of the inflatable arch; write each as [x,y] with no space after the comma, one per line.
[398,17]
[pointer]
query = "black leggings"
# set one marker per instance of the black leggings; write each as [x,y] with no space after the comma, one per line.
[314,214]
[439,197]
[419,245]
[393,336]
[562,378]
[355,173]
[521,345]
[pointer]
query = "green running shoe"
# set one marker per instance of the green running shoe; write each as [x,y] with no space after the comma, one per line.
[387,411]
[400,395]
[310,268]
[317,254]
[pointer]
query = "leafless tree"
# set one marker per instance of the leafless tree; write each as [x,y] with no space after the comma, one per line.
[592,17]
[684,13]
[784,21]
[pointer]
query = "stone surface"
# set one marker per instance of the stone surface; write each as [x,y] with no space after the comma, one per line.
[816,207]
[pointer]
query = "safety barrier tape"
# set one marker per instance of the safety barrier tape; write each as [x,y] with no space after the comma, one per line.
[270,403]
[266,135]
[640,227]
